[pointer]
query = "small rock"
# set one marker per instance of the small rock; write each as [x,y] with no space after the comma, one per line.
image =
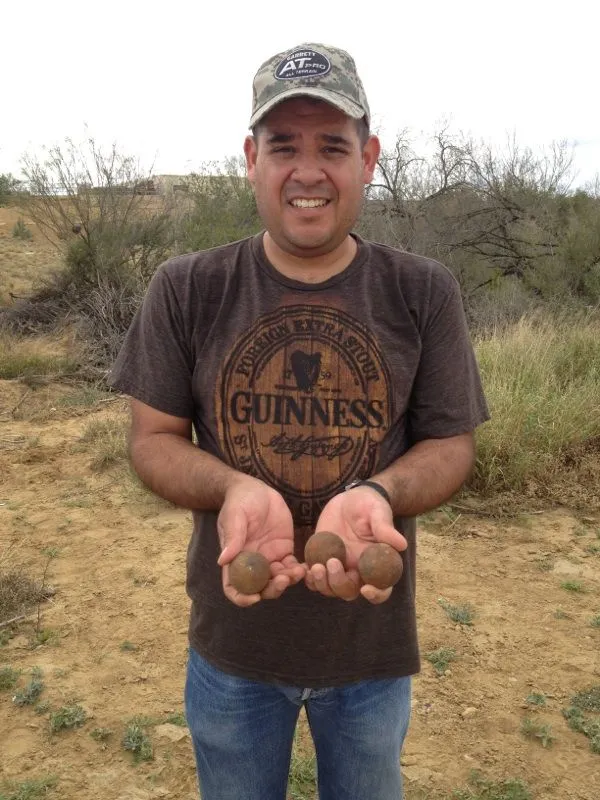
[175,733]
[20,642]
[408,761]
[468,712]
[417,774]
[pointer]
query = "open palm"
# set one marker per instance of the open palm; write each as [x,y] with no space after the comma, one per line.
[255,517]
[361,517]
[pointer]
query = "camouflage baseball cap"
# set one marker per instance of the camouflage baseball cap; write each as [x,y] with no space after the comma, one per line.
[317,70]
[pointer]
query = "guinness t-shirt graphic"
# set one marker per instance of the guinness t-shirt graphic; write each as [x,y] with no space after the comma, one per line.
[305,386]
[304,399]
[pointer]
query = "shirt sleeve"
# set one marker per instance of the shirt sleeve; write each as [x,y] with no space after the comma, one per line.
[155,363]
[447,397]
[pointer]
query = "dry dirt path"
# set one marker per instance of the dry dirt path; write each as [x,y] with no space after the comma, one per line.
[116,627]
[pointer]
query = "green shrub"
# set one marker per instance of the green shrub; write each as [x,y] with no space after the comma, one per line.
[67,717]
[21,231]
[9,186]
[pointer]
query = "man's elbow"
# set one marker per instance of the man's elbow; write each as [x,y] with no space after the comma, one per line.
[464,455]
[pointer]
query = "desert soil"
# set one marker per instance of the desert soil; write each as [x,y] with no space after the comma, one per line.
[116,627]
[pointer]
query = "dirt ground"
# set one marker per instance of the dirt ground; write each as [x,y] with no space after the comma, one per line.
[113,636]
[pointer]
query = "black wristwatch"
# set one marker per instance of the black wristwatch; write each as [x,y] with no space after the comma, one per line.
[377,486]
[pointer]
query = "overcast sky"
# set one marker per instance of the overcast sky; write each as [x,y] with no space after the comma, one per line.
[171,82]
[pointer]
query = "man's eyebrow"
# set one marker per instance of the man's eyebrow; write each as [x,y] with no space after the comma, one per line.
[331,138]
[280,138]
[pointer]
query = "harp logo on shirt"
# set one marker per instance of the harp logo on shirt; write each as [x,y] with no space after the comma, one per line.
[303,401]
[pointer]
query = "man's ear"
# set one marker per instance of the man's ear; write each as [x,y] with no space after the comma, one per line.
[250,151]
[370,155]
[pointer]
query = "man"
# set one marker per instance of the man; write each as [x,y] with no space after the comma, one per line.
[332,386]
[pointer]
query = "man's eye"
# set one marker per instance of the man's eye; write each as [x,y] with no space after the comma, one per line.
[332,149]
[283,149]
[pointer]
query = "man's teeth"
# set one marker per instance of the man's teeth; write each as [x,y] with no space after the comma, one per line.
[302,203]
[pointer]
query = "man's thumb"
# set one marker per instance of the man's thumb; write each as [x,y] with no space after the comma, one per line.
[231,528]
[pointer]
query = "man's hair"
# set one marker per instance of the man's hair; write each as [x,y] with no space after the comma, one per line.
[362,129]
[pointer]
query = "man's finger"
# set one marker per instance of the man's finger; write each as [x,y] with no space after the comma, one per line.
[289,566]
[387,534]
[239,599]
[344,585]
[320,581]
[276,587]
[375,595]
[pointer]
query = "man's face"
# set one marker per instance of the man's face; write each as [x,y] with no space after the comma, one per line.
[308,170]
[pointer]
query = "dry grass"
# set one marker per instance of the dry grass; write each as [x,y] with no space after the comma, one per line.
[542,380]
[106,441]
[24,263]
[39,357]
[18,594]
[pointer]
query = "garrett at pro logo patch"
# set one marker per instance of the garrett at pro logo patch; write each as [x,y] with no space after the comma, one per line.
[303,401]
[303,64]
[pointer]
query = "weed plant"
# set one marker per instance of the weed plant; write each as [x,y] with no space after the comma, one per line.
[101,734]
[18,593]
[482,789]
[533,729]
[177,719]
[572,586]
[107,440]
[302,784]
[8,677]
[441,659]
[21,231]
[21,358]
[582,723]
[137,741]
[67,717]
[462,614]
[28,790]
[531,373]
[536,699]
[30,694]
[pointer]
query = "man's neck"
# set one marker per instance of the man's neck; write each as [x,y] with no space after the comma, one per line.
[310,270]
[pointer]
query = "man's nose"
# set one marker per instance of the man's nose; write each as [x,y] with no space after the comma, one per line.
[307,170]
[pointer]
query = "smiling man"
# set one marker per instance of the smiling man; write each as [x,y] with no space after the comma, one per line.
[331,385]
[309,167]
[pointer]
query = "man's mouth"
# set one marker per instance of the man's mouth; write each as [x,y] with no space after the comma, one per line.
[308,202]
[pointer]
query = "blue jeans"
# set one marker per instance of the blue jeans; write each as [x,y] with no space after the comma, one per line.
[243,732]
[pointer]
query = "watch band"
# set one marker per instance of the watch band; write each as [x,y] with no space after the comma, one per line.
[377,486]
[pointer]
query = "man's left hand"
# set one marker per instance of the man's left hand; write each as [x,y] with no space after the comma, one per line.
[360,517]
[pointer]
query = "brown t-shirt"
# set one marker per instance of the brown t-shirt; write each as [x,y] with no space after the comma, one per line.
[306,386]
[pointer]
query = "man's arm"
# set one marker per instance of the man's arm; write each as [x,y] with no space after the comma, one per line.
[163,455]
[423,478]
[252,515]
[428,474]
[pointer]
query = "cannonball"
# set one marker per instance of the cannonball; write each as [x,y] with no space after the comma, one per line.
[322,546]
[380,565]
[249,572]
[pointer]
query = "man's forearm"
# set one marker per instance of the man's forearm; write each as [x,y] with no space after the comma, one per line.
[428,474]
[174,468]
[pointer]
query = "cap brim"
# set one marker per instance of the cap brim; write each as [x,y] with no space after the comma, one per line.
[333,98]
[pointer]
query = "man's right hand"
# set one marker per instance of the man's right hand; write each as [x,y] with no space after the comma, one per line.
[255,517]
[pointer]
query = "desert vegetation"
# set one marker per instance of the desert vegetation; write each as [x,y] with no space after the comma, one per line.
[92,601]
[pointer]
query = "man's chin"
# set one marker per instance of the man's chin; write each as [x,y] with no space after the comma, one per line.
[309,246]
